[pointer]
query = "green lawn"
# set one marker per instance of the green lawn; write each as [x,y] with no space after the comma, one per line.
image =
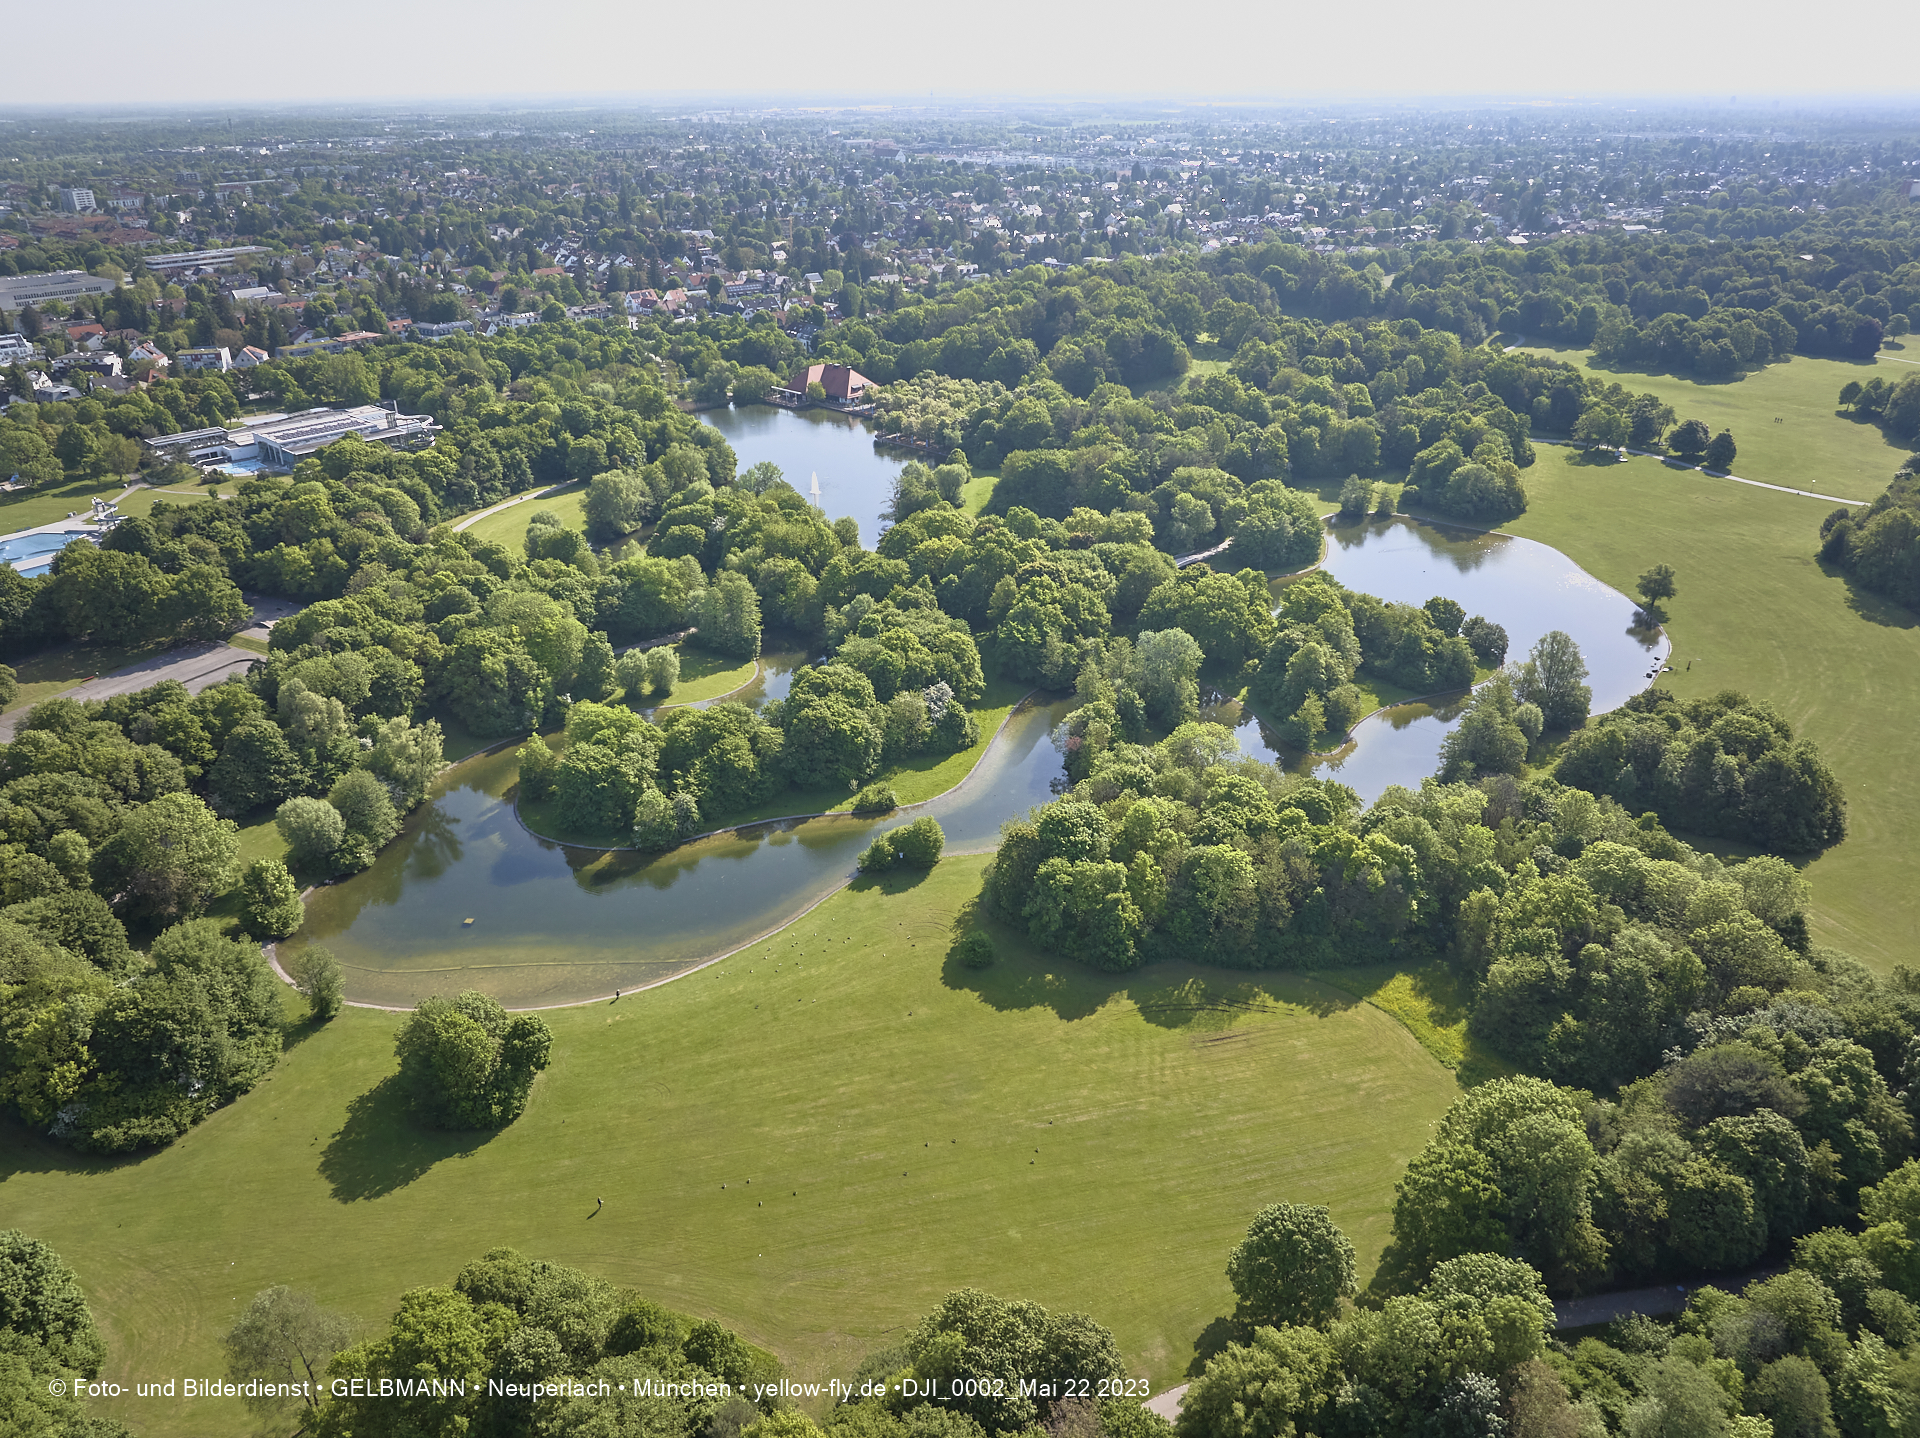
[1809,448]
[32,508]
[888,1127]
[708,676]
[1757,612]
[509,526]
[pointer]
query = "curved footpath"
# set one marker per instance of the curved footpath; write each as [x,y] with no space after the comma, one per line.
[999,734]
[1671,463]
[479,514]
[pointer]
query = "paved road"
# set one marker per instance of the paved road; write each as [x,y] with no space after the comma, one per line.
[195,665]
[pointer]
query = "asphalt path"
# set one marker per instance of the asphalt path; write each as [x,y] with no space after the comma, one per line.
[195,665]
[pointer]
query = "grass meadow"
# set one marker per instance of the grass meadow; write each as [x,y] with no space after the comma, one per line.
[1757,611]
[1783,419]
[887,1126]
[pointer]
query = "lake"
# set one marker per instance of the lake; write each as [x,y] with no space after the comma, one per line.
[552,924]
[1527,587]
[856,479]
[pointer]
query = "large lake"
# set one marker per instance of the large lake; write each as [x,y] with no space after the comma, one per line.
[552,924]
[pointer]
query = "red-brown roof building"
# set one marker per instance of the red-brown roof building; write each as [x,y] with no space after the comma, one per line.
[840,381]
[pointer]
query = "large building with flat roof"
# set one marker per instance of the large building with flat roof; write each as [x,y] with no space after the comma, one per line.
[280,441]
[18,290]
[197,259]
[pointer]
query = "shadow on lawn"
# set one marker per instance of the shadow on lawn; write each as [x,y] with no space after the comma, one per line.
[1872,607]
[380,1148]
[1167,996]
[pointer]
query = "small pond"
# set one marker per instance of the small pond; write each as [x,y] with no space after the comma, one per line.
[856,479]
[1527,587]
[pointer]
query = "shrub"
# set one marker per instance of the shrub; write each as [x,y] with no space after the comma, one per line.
[875,799]
[313,830]
[537,763]
[975,951]
[916,845]
[272,906]
[316,974]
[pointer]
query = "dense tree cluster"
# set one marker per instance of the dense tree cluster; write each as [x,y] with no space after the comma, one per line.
[466,1063]
[1878,545]
[1462,1344]
[1727,766]
[112,1050]
[48,1342]
[1681,303]
[526,1321]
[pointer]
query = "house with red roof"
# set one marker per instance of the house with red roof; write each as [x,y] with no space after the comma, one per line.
[841,382]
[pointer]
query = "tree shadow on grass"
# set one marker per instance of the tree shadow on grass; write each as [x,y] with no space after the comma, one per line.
[1213,1340]
[381,1148]
[1171,996]
[1872,607]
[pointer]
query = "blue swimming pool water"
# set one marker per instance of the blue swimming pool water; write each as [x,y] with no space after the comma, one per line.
[15,547]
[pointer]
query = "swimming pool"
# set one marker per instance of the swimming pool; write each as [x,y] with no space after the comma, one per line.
[38,545]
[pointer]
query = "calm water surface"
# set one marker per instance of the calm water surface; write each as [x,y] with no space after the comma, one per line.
[856,479]
[553,924]
[1527,587]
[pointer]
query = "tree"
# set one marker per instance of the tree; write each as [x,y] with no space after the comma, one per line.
[366,811]
[1656,584]
[1552,678]
[594,678]
[1601,427]
[1487,639]
[663,670]
[1690,440]
[1720,452]
[172,856]
[618,502]
[1294,1266]
[727,616]
[41,1299]
[406,757]
[313,830]
[465,1063]
[272,907]
[316,974]
[256,767]
[285,1337]
[1356,497]
[1447,615]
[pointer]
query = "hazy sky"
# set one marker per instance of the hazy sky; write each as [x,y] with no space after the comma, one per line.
[204,54]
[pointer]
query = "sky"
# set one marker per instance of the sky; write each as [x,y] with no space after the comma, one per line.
[207,53]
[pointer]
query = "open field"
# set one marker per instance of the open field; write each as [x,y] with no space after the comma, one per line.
[509,526]
[1810,448]
[1756,611]
[1087,1141]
